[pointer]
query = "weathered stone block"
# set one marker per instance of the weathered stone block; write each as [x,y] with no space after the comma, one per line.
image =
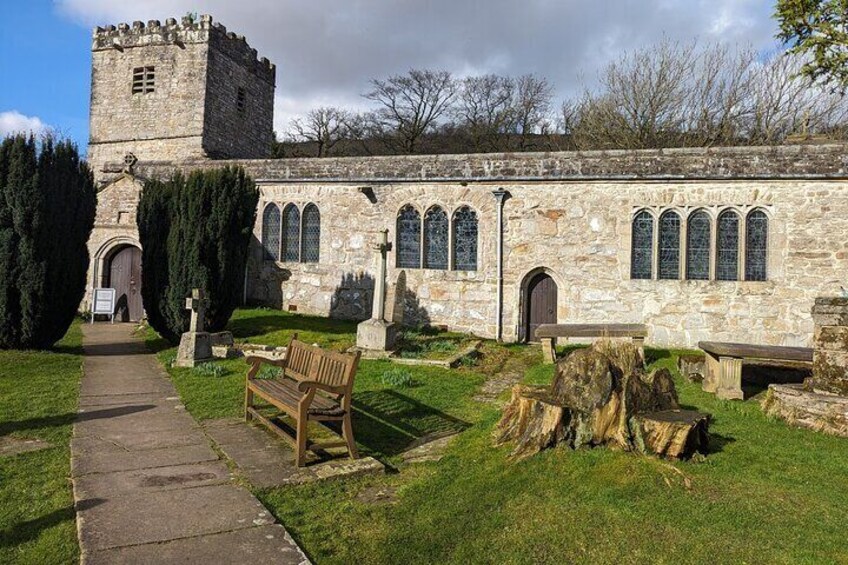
[195,347]
[376,335]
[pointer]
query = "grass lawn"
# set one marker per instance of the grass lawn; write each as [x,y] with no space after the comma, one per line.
[38,399]
[767,493]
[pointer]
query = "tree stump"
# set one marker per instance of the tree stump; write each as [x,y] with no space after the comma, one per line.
[602,396]
[674,434]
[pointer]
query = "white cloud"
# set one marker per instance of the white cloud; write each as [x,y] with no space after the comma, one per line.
[15,122]
[327,51]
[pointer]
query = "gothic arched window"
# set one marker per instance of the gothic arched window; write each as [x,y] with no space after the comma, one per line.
[435,239]
[271,233]
[698,246]
[756,246]
[311,238]
[291,233]
[642,246]
[409,238]
[669,263]
[465,239]
[727,247]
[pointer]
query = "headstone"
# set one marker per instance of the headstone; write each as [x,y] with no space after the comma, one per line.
[378,334]
[195,344]
[395,300]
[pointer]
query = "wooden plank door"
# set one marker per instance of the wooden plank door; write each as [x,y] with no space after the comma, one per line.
[125,278]
[541,304]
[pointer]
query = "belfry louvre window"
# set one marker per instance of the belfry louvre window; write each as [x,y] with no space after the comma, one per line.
[271,233]
[241,100]
[436,239]
[409,238]
[465,240]
[144,80]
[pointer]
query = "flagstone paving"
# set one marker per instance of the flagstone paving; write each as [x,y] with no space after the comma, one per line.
[148,487]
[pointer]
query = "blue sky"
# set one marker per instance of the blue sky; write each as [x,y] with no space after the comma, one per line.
[327,50]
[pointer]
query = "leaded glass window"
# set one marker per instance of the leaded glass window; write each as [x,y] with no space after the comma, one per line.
[291,233]
[435,239]
[642,246]
[756,246]
[669,253]
[465,239]
[271,233]
[311,237]
[698,246]
[409,238]
[727,249]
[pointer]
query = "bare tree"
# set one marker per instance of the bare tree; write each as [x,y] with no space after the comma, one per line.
[531,107]
[485,109]
[411,104]
[324,126]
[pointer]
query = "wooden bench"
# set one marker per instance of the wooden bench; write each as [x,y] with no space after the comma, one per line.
[315,385]
[724,363]
[549,333]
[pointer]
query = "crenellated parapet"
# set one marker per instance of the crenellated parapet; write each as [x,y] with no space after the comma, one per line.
[187,31]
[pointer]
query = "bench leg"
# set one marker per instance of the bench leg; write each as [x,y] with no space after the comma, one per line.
[347,433]
[548,351]
[639,343]
[300,448]
[248,404]
[730,379]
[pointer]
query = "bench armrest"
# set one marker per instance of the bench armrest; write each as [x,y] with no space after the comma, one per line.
[304,386]
[256,362]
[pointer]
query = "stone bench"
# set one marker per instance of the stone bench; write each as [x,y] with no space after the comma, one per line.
[724,363]
[549,333]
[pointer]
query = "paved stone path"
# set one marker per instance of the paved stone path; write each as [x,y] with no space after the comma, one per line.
[148,487]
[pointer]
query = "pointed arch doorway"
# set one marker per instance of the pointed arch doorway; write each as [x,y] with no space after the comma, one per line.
[539,303]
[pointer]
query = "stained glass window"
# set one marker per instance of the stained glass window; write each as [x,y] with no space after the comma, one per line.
[435,239]
[642,246]
[727,250]
[465,239]
[698,246]
[311,242]
[669,264]
[409,238]
[271,233]
[291,233]
[756,246]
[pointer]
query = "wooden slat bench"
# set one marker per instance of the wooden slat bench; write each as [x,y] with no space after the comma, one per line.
[315,385]
[724,363]
[549,333]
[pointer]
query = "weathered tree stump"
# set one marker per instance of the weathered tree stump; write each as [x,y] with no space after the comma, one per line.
[595,398]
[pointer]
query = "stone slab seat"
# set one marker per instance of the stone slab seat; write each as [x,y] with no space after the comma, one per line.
[314,385]
[549,333]
[724,363]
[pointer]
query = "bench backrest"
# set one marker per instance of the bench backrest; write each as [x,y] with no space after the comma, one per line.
[306,362]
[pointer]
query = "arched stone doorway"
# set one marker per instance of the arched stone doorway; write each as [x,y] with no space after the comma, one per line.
[539,303]
[122,271]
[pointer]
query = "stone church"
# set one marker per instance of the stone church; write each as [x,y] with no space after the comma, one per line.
[729,244]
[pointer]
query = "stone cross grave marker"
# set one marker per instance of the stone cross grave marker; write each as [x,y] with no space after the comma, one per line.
[197,304]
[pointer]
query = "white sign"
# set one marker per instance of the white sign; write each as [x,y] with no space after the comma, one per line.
[103,303]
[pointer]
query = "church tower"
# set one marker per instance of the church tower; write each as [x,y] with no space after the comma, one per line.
[176,92]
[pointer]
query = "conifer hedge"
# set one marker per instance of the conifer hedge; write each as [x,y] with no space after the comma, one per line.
[194,233]
[47,208]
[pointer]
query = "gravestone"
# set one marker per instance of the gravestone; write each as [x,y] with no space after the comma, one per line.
[195,344]
[378,334]
[395,300]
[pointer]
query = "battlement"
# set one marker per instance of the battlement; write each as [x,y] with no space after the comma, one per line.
[185,32]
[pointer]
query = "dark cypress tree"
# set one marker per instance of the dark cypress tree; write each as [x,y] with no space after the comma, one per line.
[47,206]
[203,244]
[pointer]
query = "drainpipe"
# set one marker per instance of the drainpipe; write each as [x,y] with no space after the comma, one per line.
[501,196]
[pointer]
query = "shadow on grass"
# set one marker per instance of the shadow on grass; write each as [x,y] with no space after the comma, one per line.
[69,418]
[654,355]
[259,325]
[386,422]
[23,532]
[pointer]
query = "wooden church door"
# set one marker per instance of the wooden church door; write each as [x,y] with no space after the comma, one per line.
[541,304]
[125,278]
